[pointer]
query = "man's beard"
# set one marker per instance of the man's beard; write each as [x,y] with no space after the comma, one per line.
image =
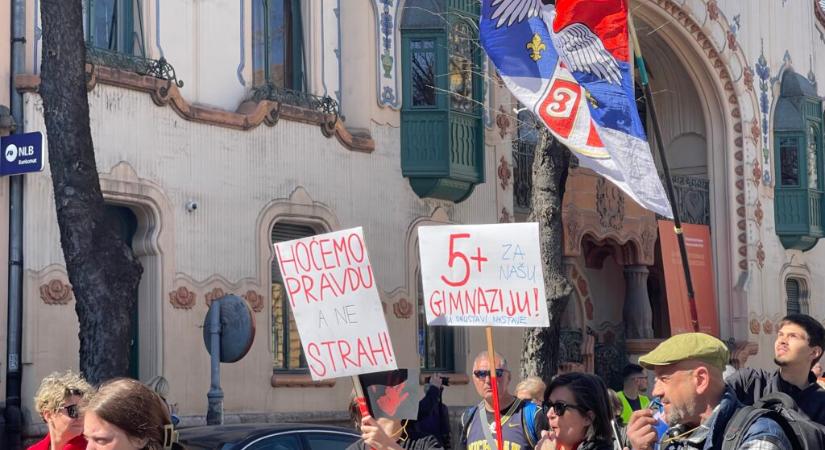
[780,363]
[680,414]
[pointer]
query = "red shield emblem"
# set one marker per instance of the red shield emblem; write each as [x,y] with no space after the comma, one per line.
[560,106]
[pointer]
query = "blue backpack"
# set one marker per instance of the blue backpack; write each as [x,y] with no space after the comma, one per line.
[528,422]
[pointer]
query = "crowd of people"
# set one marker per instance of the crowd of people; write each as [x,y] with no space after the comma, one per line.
[692,405]
[122,414]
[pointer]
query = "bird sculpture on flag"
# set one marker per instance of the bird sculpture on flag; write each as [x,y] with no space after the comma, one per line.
[579,48]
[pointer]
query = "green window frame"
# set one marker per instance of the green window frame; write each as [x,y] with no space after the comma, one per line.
[115,25]
[277,44]
[288,354]
[436,345]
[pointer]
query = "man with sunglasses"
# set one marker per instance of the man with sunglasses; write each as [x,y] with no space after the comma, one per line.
[521,421]
[698,405]
[57,401]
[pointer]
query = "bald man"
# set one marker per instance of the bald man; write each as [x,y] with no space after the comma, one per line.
[521,421]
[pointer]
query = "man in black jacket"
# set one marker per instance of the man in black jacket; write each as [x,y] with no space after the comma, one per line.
[800,341]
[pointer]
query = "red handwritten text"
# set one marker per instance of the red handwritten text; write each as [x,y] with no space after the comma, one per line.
[361,352]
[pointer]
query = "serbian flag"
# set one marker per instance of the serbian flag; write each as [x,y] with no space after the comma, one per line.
[570,65]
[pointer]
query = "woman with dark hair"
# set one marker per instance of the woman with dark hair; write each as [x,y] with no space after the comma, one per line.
[124,414]
[579,413]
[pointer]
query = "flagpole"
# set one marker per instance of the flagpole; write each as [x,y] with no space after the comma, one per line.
[657,133]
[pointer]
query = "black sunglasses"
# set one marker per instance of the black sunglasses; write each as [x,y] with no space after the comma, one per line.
[482,374]
[560,407]
[71,410]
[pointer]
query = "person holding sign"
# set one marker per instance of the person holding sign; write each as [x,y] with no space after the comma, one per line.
[393,403]
[521,421]
[391,434]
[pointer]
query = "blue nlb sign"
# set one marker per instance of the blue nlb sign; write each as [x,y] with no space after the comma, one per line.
[22,153]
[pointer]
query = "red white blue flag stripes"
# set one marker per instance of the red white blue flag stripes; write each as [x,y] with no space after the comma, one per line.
[570,65]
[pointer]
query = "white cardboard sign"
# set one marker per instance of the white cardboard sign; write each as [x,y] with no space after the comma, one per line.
[483,275]
[333,297]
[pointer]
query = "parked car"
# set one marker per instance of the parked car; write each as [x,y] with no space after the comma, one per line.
[283,436]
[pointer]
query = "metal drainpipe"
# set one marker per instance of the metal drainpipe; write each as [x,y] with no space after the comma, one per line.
[13,413]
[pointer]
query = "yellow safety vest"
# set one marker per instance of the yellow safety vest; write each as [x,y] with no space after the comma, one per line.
[627,410]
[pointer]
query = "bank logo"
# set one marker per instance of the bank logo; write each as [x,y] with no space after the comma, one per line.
[11,153]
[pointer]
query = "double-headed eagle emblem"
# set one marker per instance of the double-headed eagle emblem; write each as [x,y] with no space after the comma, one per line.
[579,48]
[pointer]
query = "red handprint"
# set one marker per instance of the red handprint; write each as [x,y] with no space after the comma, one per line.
[392,398]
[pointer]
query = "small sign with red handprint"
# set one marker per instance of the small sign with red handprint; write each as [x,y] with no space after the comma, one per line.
[393,394]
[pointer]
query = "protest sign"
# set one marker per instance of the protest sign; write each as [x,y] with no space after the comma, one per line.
[393,394]
[483,275]
[331,288]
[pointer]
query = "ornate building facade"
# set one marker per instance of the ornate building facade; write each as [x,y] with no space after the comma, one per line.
[221,127]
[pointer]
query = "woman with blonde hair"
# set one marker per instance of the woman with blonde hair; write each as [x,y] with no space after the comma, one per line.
[57,401]
[125,414]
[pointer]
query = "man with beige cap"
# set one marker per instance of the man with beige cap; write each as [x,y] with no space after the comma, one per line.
[698,405]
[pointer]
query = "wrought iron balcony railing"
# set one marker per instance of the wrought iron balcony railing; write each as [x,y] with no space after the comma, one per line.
[323,104]
[158,68]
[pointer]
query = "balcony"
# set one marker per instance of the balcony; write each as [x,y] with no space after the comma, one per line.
[158,68]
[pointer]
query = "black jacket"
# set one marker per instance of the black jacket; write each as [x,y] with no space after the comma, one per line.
[424,443]
[752,384]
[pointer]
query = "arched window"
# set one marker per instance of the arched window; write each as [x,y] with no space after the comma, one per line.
[796,296]
[286,343]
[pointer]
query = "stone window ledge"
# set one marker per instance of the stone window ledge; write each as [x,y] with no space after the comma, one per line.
[250,114]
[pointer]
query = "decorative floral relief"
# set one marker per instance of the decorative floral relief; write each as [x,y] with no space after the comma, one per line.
[213,295]
[754,326]
[731,41]
[255,300]
[760,255]
[767,327]
[764,74]
[748,74]
[505,216]
[56,292]
[713,10]
[502,122]
[504,173]
[386,15]
[402,309]
[756,172]
[182,298]
[758,213]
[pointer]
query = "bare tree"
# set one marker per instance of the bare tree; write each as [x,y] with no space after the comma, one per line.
[103,271]
[540,353]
